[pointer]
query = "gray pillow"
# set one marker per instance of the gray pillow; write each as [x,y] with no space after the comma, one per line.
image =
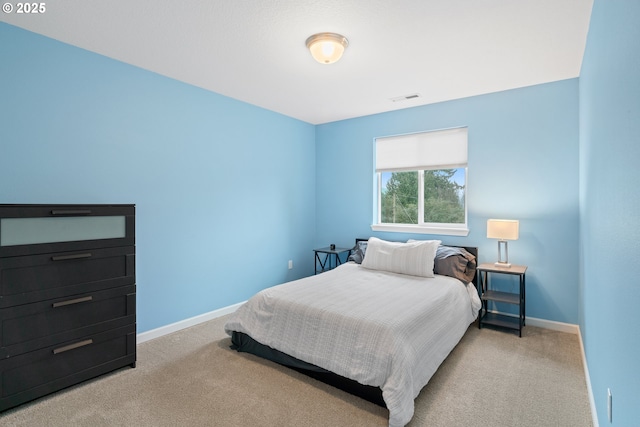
[358,251]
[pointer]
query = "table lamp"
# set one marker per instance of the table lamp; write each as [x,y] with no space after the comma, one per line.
[503,230]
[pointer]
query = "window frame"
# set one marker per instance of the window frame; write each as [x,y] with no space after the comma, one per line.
[449,229]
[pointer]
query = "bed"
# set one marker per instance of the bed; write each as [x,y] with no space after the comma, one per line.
[378,326]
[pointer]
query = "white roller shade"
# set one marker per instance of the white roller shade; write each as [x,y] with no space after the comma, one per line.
[443,149]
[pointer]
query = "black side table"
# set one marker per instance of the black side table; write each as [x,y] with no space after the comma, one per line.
[487,294]
[329,255]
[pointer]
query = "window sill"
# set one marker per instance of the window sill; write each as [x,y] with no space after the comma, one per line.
[421,229]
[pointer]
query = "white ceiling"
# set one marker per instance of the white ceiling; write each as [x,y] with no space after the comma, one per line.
[254,51]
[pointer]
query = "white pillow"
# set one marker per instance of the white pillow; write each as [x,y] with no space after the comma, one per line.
[413,258]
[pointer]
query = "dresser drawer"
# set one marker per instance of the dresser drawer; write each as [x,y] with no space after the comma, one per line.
[42,277]
[38,229]
[37,373]
[32,326]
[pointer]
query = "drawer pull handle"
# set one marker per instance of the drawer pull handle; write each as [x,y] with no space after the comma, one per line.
[71,212]
[72,346]
[72,301]
[68,257]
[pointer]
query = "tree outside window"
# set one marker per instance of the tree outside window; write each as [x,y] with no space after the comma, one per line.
[443,196]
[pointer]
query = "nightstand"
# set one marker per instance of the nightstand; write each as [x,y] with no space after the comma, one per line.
[329,255]
[486,295]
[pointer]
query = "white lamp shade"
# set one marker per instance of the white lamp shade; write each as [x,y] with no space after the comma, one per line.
[327,48]
[503,229]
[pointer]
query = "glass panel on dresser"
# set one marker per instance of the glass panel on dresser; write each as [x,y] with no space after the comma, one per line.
[27,231]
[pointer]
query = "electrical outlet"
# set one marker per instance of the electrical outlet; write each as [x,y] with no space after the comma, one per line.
[610,405]
[290,264]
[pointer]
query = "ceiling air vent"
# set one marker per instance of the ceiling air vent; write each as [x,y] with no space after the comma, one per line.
[405,97]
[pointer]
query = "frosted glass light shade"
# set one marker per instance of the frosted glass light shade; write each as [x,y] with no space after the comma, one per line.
[327,48]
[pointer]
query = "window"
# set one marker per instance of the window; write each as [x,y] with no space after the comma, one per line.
[421,183]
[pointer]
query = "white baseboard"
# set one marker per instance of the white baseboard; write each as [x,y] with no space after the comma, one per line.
[553,325]
[186,323]
[546,324]
[592,402]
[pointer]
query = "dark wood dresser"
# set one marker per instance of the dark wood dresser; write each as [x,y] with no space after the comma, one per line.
[67,296]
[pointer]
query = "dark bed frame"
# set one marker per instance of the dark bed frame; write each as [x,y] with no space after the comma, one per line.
[244,343]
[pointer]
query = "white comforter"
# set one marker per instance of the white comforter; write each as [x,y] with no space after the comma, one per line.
[381,329]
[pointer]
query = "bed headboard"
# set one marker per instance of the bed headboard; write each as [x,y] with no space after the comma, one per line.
[471,249]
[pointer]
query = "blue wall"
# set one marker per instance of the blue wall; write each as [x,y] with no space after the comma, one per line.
[609,206]
[523,164]
[224,190]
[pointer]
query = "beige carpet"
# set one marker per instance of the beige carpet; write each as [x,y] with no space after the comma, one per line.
[192,378]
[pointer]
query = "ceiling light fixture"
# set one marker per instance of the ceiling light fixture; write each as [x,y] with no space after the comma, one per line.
[327,48]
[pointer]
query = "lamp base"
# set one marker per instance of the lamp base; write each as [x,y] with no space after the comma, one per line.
[503,263]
